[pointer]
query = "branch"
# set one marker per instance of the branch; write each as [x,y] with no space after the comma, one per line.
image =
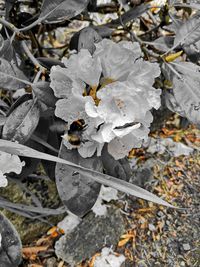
[32,58]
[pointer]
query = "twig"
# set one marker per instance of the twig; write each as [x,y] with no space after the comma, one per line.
[9,25]
[37,76]
[31,57]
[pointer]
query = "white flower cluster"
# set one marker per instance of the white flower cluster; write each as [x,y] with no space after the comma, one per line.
[112,92]
[9,163]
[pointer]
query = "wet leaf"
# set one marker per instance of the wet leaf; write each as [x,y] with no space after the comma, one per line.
[21,123]
[186,89]
[189,32]
[77,191]
[115,167]
[10,248]
[44,93]
[187,96]
[50,62]
[54,11]
[86,39]
[9,74]
[18,102]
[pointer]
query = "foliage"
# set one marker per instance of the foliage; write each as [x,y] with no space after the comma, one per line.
[88,101]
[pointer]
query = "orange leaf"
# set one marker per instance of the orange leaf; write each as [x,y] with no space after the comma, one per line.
[31,252]
[122,242]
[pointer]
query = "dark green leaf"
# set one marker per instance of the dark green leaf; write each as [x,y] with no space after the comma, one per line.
[9,74]
[114,167]
[21,123]
[189,32]
[86,39]
[77,191]
[11,247]
[54,11]
[49,62]
[44,93]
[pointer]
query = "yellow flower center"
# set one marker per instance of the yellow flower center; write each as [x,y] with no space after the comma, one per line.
[94,89]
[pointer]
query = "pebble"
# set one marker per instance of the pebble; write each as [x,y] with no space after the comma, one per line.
[160,214]
[186,246]
[152,227]
[182,264]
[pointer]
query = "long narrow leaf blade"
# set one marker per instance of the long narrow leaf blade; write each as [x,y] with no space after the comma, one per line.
[21,150]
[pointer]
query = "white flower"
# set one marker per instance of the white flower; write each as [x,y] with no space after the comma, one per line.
[84,67]
[9,163]
[112,92]
[117,59]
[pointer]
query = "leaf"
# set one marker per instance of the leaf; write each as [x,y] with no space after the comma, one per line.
[131,14]
[192,52]
[77,191]
[18,102]
[113,167]
[9,74]
[50,62]
[53,141]
[10,245]
[188,97]
[128,188]
[189,32]
[172,104]
[6,51]
[53,11]
[186,84]
[44,93]
[21,123]
[2,120]
[163,43]
[85,39]
[31,163]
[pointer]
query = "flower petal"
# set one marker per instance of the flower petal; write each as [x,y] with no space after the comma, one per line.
[61,81]
[85,67]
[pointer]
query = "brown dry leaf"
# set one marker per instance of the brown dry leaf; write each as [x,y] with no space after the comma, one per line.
[45,240]
[146,209]
[31,252]
[123,242]
[91,262]
[55,232]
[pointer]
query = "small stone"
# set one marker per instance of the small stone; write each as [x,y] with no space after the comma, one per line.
[152,227]
[90,236]
[186,246]
[160,214]
[51,262]
[182,264]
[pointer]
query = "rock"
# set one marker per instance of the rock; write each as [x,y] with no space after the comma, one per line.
[152,227]
[10,247]
[186,246]
[51,262]
[90,236]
